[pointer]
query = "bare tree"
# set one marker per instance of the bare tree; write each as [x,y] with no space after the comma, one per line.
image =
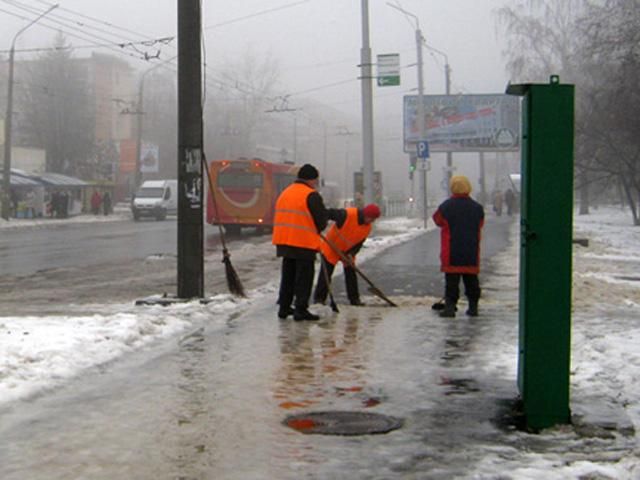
[611,48]
[237,96]
[56,106]
[543,39]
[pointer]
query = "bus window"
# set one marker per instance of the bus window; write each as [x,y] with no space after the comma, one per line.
[282,181]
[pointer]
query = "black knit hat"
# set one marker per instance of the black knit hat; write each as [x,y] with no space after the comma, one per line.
[308,172]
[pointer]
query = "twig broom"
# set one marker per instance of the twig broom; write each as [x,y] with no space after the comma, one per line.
[233,281]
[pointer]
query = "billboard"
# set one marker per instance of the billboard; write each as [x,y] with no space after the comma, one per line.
[149,158]
[464,123]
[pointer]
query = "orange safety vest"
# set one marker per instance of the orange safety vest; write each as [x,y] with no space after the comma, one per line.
[345,238]
[293,224]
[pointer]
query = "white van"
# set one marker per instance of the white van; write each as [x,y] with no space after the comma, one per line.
[155,198]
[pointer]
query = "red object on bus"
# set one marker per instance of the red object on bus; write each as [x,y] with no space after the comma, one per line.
[246,191]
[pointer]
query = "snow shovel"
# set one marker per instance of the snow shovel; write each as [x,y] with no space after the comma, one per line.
[372,288]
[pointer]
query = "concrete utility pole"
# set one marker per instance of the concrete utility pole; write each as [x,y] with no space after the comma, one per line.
[6,172]
[190,154]
[367,108]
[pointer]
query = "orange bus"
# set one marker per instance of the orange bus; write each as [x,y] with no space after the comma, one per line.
[245,192]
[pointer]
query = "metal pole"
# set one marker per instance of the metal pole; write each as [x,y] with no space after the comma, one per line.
[367,108]
[190,154]
[447,76]
[140,113]
[6,172]
[138,173]
[295,138]
[483,190]
[421,124]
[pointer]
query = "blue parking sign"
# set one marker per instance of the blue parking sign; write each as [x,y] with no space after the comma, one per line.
[423,149]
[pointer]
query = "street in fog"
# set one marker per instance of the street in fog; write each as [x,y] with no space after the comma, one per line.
[26,251]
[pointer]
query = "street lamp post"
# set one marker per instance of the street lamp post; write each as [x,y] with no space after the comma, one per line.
[140,113]
[6,172]
[420,110]
[447,80]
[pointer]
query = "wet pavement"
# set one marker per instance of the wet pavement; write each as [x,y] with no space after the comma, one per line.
[211,404]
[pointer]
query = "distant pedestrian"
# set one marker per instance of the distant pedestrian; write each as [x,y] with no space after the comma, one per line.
[348,234]
[96,201]
[497,202]
[510,200]
[300,215]
[106,203]
[461,220]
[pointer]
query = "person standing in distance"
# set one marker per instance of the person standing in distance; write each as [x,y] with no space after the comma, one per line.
[348,234]
[300,215]
[460,219]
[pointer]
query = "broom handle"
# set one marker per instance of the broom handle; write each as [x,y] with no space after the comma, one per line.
[225,252]
[346,259]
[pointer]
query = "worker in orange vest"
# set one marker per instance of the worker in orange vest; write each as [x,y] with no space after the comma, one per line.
[300,215]
[348,234]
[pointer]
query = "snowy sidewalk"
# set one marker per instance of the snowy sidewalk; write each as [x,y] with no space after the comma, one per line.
[241,371]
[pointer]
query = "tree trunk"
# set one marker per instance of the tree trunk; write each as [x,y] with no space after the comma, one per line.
[584,194]
[631,201]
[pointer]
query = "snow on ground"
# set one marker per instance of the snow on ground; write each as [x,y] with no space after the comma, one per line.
[37,353]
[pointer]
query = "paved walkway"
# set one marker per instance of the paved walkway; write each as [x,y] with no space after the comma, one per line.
[213,406]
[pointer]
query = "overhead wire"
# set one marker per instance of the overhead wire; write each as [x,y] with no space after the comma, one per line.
[56,26]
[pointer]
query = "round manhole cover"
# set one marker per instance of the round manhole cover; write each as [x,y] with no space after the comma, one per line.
[343,423]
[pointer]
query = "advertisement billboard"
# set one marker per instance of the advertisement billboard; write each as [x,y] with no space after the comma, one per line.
[464,123]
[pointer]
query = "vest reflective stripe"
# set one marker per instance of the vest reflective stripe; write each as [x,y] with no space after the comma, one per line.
[293,223]
[345,238]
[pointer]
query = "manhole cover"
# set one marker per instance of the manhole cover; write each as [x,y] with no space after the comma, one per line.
[343,423]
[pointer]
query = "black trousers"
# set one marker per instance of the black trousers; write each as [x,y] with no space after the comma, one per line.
[350,278]
[452,286]
[296,281]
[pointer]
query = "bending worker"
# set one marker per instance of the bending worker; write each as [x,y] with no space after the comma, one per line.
[460,219]
[300,216]
[347,234]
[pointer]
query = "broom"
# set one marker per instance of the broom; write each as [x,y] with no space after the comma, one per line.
[233,281]
[372,288]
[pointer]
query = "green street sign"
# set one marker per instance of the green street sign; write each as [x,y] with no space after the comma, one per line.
[388,70]
[390,81]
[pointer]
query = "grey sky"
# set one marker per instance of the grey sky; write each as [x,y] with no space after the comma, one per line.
[316,42]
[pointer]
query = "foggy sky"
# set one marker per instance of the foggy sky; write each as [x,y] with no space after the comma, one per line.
[316,43]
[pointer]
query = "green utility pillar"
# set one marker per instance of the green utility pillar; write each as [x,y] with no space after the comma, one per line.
[545,251]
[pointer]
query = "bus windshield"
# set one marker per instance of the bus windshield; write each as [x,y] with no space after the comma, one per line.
[239,179]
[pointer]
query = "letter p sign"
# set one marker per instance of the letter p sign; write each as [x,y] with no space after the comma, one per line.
[422,149]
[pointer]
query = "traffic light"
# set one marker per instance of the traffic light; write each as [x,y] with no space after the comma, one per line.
[413,160]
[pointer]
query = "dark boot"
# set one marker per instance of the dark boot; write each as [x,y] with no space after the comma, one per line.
[449,310]
[472,311]
[304,314]
[285,312]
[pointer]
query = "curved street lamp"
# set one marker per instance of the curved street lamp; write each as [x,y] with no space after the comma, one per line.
[139,113]
[6,173]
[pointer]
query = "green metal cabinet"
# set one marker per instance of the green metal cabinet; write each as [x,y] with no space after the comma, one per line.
[546,250]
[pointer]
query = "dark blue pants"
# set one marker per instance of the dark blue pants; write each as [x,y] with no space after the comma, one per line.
[350,278]
[296,281]
[452,286]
